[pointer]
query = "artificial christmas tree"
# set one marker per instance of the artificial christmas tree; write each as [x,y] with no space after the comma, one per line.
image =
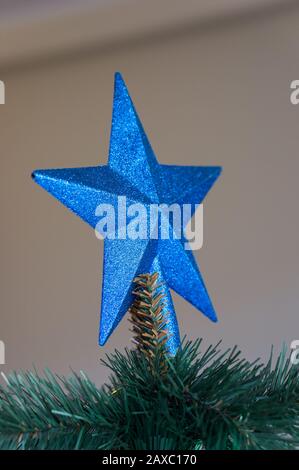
[155,401]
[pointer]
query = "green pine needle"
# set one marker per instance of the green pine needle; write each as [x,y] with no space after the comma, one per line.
[206,400]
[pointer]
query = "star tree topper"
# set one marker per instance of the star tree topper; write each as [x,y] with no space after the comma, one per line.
[133,171]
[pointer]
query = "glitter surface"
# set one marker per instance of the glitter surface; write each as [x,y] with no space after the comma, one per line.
[134,172]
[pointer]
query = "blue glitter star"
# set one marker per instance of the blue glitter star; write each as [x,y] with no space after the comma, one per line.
[134,172]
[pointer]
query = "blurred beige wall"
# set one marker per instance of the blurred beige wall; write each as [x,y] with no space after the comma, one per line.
[207,96]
